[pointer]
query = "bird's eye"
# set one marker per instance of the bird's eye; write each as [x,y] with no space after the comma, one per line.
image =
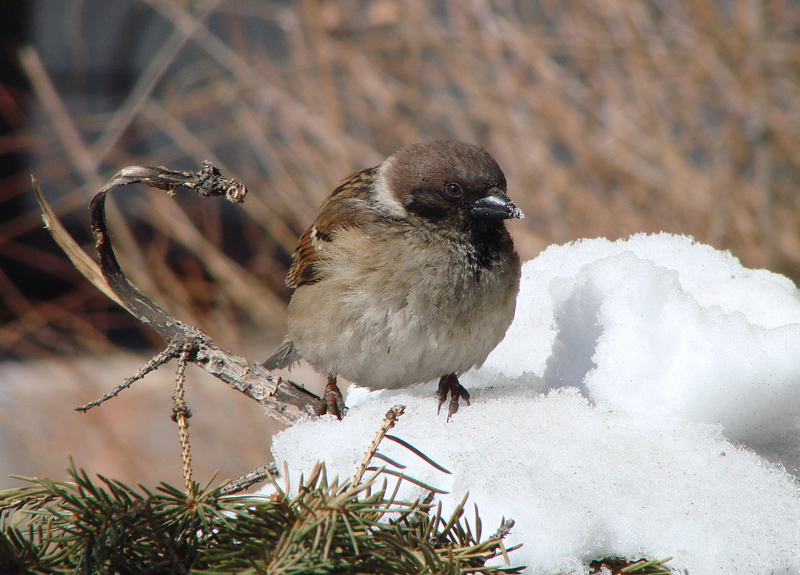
[453,189]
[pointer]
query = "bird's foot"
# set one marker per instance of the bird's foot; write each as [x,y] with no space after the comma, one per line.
[332,400]
[448,385]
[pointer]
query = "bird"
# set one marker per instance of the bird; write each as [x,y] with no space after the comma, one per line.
[407,274]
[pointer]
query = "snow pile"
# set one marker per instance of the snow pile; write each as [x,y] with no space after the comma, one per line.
[605,422]
[662,328]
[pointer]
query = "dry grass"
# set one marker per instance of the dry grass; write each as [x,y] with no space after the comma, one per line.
[609,118]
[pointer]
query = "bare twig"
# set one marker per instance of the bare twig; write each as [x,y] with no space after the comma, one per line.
[504,529]
[170,352]
[249,479]
[389,422]
[82,262]
[500,534]
[207,182]
[282,400]
[181,415]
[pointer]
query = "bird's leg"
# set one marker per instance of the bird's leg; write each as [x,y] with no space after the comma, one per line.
[449,385]
[332,400]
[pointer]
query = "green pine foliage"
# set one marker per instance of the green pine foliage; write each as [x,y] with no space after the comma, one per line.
[106,527]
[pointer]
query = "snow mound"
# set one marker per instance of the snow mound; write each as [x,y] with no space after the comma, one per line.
[623,414]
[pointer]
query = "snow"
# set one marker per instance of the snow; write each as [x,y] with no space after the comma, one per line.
[644,403]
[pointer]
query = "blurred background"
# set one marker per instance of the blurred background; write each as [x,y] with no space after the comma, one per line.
[609,117]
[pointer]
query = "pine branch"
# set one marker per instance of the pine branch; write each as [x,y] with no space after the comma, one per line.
[328,527]
[109,527]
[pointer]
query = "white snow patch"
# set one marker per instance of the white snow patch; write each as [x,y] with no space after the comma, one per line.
[630,411]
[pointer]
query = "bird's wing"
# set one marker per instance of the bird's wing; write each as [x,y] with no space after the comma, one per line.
[346,207]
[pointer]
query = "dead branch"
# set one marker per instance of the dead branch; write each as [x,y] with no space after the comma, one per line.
[281,399]
[249,479]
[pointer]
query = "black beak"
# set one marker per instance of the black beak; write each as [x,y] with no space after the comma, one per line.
[497,206]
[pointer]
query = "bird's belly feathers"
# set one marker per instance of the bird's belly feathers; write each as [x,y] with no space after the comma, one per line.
[406,321]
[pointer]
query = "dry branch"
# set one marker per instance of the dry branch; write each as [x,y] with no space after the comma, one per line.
[281,399]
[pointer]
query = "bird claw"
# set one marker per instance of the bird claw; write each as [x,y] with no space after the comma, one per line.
[332,401]
[449,385]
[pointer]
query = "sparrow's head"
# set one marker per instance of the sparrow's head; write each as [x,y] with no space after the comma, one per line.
[453,183]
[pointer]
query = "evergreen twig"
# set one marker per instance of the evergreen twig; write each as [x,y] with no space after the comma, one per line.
[82,526]
[328,527]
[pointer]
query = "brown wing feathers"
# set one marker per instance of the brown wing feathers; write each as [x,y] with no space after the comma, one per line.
[332,216]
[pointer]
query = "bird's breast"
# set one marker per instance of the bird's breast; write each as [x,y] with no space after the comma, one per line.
[402,308]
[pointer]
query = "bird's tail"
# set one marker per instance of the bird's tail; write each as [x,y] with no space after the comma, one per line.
[285,356]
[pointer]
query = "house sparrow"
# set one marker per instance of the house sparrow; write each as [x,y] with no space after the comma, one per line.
[407,274]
